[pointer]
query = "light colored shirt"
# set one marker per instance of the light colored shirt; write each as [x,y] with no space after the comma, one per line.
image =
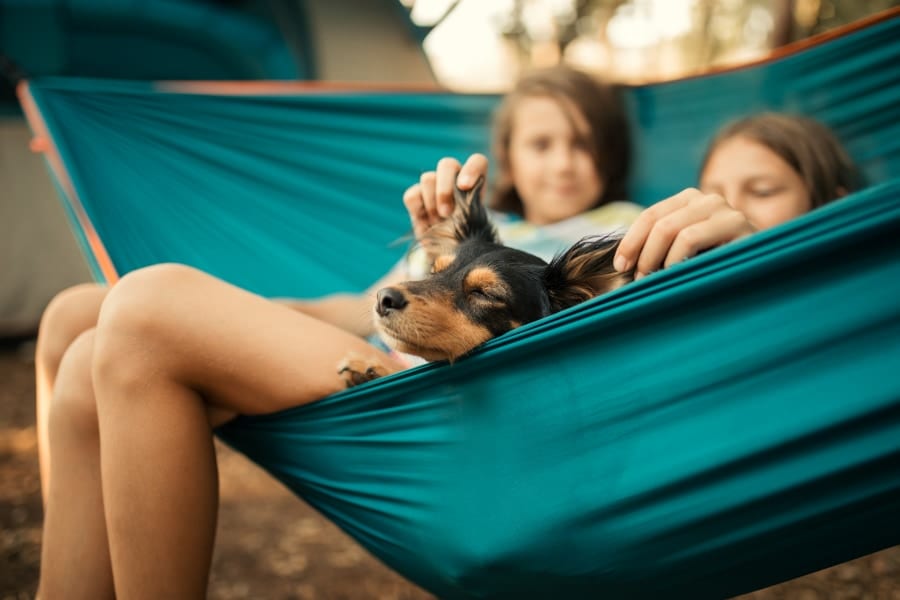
[544,241]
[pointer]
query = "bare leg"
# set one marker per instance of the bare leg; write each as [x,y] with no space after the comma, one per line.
[172,342]
[75,555]
[72,312]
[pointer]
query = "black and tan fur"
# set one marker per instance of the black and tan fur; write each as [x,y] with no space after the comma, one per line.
[479,289]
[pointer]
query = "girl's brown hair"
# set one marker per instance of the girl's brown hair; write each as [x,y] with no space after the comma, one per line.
[809,147]
[601,105]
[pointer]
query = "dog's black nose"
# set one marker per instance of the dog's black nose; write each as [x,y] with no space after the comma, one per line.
[390,299]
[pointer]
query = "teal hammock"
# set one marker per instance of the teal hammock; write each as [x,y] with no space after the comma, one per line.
[725,424]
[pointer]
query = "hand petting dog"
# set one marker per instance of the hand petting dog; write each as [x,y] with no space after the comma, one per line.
[433,199]
[479,289]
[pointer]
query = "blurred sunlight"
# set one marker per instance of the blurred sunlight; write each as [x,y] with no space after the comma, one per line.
[483,45]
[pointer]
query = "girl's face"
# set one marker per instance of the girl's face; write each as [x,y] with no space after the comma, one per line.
[756,181]
[549,164]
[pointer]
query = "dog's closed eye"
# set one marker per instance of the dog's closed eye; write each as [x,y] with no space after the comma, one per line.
[484,285]
[480,294]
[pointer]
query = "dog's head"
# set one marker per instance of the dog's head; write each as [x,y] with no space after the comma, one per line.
[479,289]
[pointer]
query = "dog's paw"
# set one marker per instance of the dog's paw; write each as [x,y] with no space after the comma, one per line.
[356,369]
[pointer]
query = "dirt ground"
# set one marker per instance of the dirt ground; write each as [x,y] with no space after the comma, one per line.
[271,546]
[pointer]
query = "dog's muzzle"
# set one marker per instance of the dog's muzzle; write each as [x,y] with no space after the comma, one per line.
[389,299]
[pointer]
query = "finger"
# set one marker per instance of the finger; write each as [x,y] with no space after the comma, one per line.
[665,230]
[427,184]
[476,166]
[634,240]
[447,169]
[415,206]
[722,227]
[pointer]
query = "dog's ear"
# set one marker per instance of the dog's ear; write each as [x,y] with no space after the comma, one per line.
[469,221]
[583,271]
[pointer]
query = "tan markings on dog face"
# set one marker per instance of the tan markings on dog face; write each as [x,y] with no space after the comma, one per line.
[481,278]
[487,281]
[431,327]
[442,262]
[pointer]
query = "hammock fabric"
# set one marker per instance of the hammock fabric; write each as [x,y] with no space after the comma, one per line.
[725,424]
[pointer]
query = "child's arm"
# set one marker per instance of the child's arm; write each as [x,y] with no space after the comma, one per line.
[350,312]
[678,228]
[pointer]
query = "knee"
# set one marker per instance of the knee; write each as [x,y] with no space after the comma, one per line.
[133,327]
[70,313]
[139,301]
[72,407]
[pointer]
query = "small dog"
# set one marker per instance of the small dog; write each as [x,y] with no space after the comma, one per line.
[479,289]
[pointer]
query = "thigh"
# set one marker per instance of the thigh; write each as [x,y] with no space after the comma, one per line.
[240,351]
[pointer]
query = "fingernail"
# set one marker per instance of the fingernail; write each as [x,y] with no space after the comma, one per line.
[619,263]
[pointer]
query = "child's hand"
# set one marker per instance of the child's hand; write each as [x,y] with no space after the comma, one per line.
[678,228]
[431,200]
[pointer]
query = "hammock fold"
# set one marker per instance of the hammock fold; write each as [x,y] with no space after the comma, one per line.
[730,423]
[725,424]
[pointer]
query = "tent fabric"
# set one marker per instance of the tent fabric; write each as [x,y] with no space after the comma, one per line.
[173,39]
[725,424]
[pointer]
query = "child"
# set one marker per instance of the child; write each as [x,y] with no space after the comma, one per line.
[561,141]
[561,145]
[758,172]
